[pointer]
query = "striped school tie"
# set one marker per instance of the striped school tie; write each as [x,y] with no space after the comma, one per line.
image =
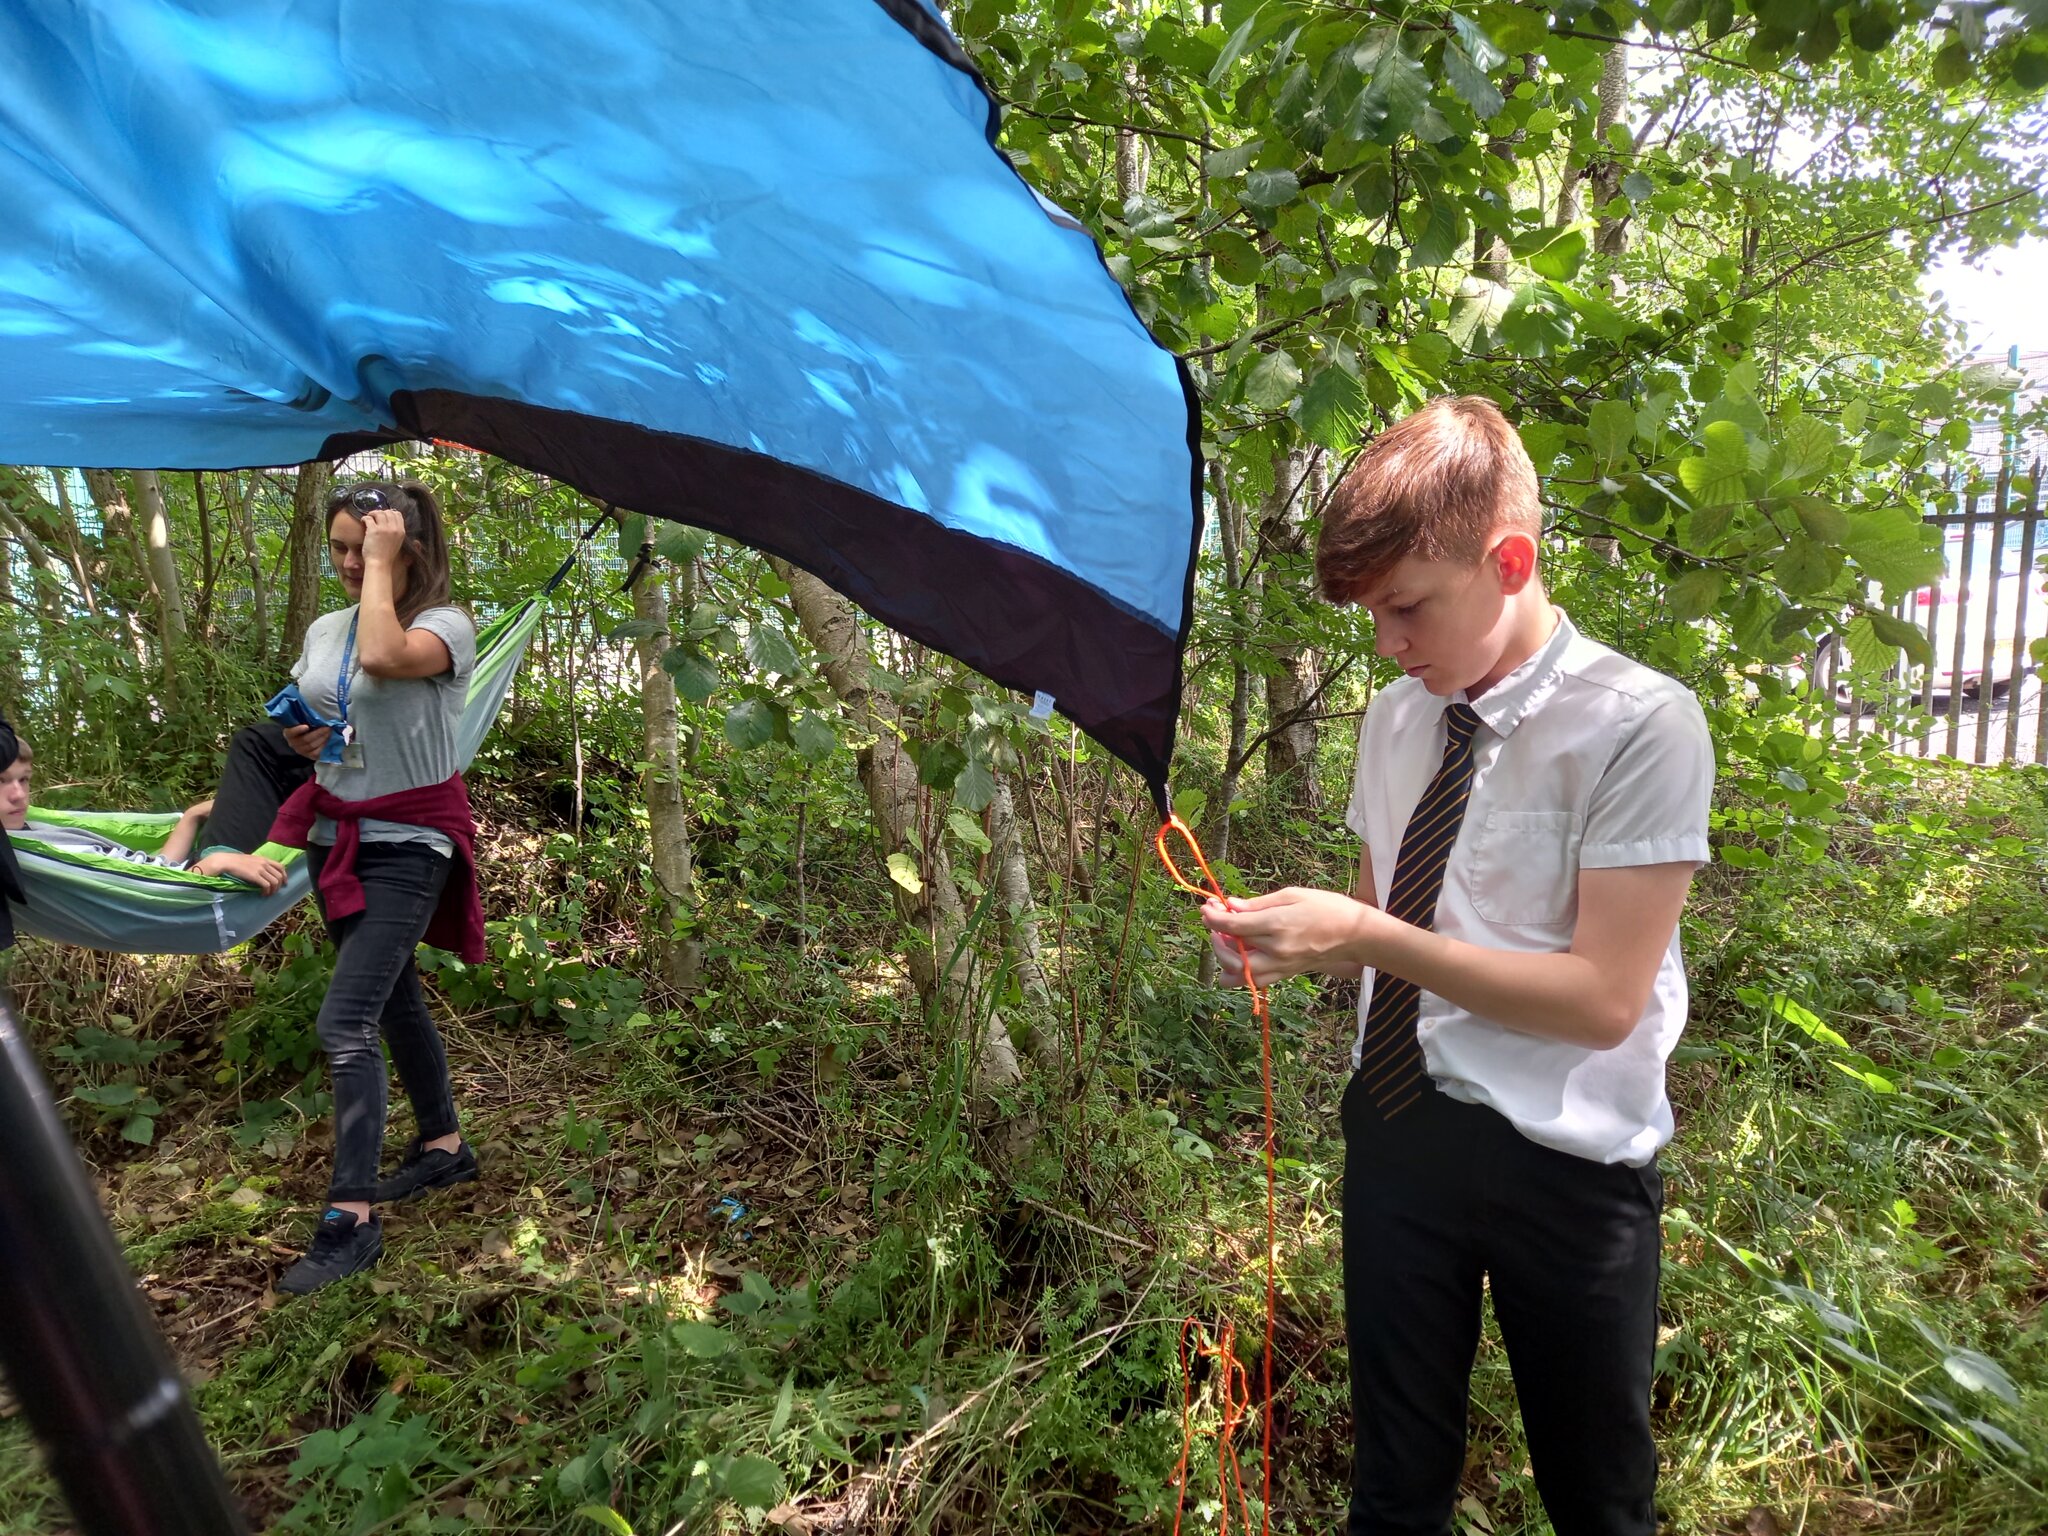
[1390,1059]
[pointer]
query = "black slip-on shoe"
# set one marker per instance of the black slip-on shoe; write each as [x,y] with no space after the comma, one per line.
[421,1170]
[341,1246]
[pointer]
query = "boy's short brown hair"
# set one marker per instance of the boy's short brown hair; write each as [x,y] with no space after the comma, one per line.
[1438,483]
[22,754]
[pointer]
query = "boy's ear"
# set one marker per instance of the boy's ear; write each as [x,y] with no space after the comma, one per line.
[1516,555]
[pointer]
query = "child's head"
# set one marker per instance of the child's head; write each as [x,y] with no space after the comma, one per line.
[1434,531]
[14,788]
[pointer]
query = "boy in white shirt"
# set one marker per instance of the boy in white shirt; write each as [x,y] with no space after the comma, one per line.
[1533,806]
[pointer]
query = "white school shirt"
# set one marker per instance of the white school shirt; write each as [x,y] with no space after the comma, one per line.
[1584,760]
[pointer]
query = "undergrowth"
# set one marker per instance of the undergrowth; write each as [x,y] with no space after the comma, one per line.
[756,1257]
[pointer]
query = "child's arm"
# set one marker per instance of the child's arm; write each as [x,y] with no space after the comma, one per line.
[1592,995]
[177,847]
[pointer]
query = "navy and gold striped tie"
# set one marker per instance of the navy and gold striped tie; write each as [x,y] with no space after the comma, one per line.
[1390,1056]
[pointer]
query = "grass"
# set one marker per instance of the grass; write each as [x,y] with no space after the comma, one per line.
[916,1322]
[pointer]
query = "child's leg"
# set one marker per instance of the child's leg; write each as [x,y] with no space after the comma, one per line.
[1574,1252]
[260,773]
[1411,1301]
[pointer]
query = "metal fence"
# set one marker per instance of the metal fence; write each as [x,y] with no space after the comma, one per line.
[1982,699]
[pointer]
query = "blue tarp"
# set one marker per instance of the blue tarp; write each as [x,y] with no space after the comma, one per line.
[755,265]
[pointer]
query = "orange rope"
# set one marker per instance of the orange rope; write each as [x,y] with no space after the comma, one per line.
[1236,1390]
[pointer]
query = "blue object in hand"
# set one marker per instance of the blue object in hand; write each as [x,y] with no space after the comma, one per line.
[289,707]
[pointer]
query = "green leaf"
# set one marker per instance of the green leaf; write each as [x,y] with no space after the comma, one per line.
[1224,163]
[610,1519]
[903,870]
[1805,1019]
[1476,42]
[749,724]
[1395,98]
[968,830]
[1910,638]
[1469,80]
[753,1482]
[769,649]
[1334,409]
[633,629]
[939,764]
[1809,443]
[705,1341]
[1719,477]
[680,543]
[140,1129]
[632,534]
[812,736]
[1516,28]
[1270,188]
[976,785]
[1610,427]
[1894,547]
[1272,382]
[1561,259]
[1822,520]
[695,674]
[1637,187]
[1694,594]
[785,1402]
[1804,566]
[1979,1373]
[1952,65]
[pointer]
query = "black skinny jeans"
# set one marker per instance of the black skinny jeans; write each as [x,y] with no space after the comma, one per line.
[376,991]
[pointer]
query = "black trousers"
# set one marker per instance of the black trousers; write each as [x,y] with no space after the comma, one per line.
[375,994]
[1436,1200]
[260,774]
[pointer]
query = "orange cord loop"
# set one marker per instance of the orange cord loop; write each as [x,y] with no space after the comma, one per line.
[1234,1389]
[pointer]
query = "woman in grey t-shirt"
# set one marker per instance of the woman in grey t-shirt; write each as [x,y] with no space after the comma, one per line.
[394,667]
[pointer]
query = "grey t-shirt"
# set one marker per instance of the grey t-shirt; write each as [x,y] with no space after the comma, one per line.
[405,727]
[77,840]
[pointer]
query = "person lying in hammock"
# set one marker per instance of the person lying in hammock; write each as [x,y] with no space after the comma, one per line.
[252,869]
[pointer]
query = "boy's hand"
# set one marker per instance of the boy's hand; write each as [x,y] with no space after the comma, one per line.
[307,740]
[1291,933]
[200,811]
[267,875]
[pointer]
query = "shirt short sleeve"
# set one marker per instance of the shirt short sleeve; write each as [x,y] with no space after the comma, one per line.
[1652,803]
[1361,771]
[456,632]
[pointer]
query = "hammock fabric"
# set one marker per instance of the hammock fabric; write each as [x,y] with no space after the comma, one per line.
[756,266]
[102,901]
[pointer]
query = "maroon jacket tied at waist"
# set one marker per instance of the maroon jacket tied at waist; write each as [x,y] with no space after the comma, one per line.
[458,922]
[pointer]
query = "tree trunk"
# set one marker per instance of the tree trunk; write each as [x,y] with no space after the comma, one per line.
[117,531]
[1291,682]
[305,546]
[162,564]
[1610,236]
[679,954]
[259,588]
[1489,251]
[1013,888]
[934,913]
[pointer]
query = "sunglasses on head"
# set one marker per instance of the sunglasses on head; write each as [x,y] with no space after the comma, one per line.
[366,498]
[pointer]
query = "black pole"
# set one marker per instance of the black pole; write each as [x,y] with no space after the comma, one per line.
[80,1350]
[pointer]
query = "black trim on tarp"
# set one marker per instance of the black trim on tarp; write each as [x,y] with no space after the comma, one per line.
[935,35]
[1008,614]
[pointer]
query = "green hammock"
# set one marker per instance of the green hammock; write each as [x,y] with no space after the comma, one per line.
[102,901]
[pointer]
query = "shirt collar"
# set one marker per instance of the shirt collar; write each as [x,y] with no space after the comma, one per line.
[1508,702]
